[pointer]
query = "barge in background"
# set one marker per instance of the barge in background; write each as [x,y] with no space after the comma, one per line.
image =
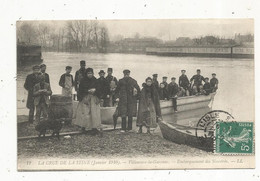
[224,52]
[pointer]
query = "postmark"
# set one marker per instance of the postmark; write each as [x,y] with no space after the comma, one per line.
[206,126]
[218,131]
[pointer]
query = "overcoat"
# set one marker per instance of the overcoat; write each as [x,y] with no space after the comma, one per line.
[144,108]
[30,82]
[88,110]
[37,94]
[128,92]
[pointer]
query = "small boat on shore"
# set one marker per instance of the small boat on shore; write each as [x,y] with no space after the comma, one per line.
[186,135]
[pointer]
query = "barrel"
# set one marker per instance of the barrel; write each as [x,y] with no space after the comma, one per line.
[61,108]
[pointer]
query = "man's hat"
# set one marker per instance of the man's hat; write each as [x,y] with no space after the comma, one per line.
[183,70]
[42,65]
[126,71]
[68,67]
[110,69]
[213,74]
[82,62]
[165,77]
[173,78]
[36,67]
[155,75]
[206,78]
[198,70]
[89,70]
[101,72]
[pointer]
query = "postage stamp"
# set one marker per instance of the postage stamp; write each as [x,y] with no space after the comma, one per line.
[234,137]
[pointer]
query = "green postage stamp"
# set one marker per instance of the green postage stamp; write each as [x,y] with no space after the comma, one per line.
[234,137]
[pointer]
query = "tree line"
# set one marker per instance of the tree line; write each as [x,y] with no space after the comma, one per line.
[70,36]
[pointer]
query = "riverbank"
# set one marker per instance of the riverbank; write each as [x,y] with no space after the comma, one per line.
[113,144]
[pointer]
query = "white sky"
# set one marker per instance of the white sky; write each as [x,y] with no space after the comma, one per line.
[171,29]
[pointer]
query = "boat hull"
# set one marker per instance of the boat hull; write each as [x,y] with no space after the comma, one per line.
[185,136]
[183,104]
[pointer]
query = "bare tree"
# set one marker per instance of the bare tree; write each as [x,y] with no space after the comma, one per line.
[26,33]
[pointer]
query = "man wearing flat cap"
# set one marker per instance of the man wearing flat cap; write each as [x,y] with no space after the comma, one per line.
[43,71]
[112,81]
[104,88]
[163,90]
[80,74]
[214,83]
[127,93]
[184,82]
[173,89]
[66,82]
[155,81]
[197,86]
[30,82]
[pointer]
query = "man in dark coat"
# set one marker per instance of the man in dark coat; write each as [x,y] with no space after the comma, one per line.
[43,71]
[184,82]
[79,75]
[112,81]
[127,93]
[206,87]
[30,82]
[104,88]
[173,89]
[163,90]
[155,81]
[41,93]
[214,83]
[197,85]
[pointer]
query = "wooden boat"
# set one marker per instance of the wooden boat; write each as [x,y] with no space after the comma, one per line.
[183,104]
[185,135]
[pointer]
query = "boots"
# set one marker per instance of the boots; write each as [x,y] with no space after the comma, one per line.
[140,130]
[148,131]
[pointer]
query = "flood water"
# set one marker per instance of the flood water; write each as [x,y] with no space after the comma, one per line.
[236,76]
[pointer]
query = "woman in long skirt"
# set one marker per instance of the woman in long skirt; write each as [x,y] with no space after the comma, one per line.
[149,110]
[88,110]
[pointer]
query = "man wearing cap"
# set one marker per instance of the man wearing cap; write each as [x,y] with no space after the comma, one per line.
[197,85]
[30,82]
[112,81]
[41,93]
[66,82]
[173,89]
[43,71]
[104,88]
[127,93]
[163,90]
[206,87]
[184,82]
[88,111]
[214,83]
[155,81]
[79,75]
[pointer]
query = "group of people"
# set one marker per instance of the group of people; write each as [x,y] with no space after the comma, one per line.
[93,93]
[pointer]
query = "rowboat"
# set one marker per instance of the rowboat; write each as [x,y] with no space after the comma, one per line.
[186,135]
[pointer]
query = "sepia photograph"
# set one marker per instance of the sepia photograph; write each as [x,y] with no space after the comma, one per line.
[135,94]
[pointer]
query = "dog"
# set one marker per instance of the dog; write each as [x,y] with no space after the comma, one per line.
[55,125]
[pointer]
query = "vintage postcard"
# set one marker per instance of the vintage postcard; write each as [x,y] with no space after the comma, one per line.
[135,94]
